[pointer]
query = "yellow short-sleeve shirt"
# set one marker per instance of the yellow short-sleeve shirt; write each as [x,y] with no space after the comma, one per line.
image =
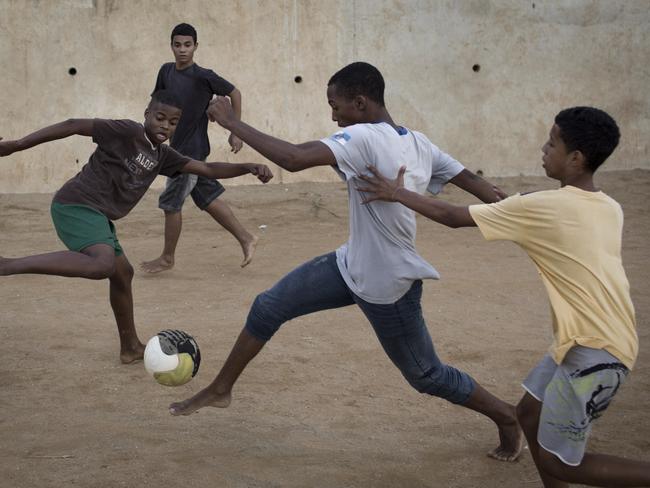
[574,238]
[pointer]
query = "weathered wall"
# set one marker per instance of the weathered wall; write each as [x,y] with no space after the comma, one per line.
[535,58]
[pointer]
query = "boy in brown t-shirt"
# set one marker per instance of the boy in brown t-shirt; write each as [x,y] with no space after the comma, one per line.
[128,158]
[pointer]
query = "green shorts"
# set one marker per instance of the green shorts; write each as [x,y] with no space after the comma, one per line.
[80,226]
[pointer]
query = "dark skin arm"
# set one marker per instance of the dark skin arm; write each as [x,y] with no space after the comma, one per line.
[67,128]
[378,187]
[292,157]
[84,127]
[227,170]
[478,187]
[235,99]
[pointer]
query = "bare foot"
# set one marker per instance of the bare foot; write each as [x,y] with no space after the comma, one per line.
[249,250]
[128,356]
[511,440]
[204,398]
[157,265]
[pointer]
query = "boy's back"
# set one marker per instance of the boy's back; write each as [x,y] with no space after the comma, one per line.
[574,238]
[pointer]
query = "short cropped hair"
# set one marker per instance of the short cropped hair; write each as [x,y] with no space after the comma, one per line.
[589,130]
[184,30]
[359,79]
[166,97]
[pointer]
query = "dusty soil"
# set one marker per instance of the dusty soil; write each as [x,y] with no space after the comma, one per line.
[321,406]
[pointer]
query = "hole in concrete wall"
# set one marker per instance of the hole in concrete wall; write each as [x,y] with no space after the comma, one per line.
[298,79]
[533,5]
[479,172]
[72,71]
[476,68]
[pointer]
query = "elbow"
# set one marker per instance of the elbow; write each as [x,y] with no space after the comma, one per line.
[69,123]
[72,126]
[291,162]
[452,219]
[291,168]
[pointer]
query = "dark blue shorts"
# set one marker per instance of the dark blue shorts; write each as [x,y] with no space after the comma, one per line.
[203,191]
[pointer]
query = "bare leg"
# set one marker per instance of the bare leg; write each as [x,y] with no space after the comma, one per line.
[594,470]
[121,296]
[221,212]
[164,262]
[599,470]
[504,416]
[528,411]
[94,262]
[218,393]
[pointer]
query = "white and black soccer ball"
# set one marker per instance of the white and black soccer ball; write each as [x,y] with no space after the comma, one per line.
[172,357]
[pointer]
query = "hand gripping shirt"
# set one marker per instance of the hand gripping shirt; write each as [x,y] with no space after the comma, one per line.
[574,238]
[122,168]
[379,262]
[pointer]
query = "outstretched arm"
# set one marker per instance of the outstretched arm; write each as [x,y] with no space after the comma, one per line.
[292,157]
[228,170]
[67,128]
[378,187]
[478,187]
[235,99]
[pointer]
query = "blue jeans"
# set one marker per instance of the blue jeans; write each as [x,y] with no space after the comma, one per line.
[400,327]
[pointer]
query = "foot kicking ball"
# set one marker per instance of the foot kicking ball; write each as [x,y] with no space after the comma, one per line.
[172,357]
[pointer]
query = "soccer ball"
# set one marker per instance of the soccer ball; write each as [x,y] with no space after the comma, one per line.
[172,357]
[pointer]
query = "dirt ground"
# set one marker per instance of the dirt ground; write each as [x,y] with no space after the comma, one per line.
[321,406]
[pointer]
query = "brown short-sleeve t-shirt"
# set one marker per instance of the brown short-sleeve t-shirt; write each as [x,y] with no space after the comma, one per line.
[121,169]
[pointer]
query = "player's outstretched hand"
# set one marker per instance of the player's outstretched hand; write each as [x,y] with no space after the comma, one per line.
[235,143]
[262,171]
[220,111]
[378,187]
[7,147]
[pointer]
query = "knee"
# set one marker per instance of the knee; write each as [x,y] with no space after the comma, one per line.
[126,272]
[553,466]
[123,273]
[101,269]
[265,317]
[442,381]
[425,382]
[526,416]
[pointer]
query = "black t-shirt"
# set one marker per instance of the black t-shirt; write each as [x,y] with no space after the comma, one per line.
[195,87]
[120,170]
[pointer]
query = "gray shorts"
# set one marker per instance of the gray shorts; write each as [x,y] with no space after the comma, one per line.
[203,191]
[573,394]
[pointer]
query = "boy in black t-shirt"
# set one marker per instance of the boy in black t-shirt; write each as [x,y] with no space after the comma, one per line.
[128,158]
[195,86]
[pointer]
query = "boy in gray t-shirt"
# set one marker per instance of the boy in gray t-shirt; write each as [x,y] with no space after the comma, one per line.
[127,159]
[378,269]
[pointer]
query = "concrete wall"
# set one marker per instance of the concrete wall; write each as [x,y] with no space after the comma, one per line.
[531,59]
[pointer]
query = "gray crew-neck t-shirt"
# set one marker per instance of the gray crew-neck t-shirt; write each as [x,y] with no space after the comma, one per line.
[379,262]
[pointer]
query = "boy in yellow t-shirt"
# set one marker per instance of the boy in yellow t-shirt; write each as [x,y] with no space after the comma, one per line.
[573,235]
